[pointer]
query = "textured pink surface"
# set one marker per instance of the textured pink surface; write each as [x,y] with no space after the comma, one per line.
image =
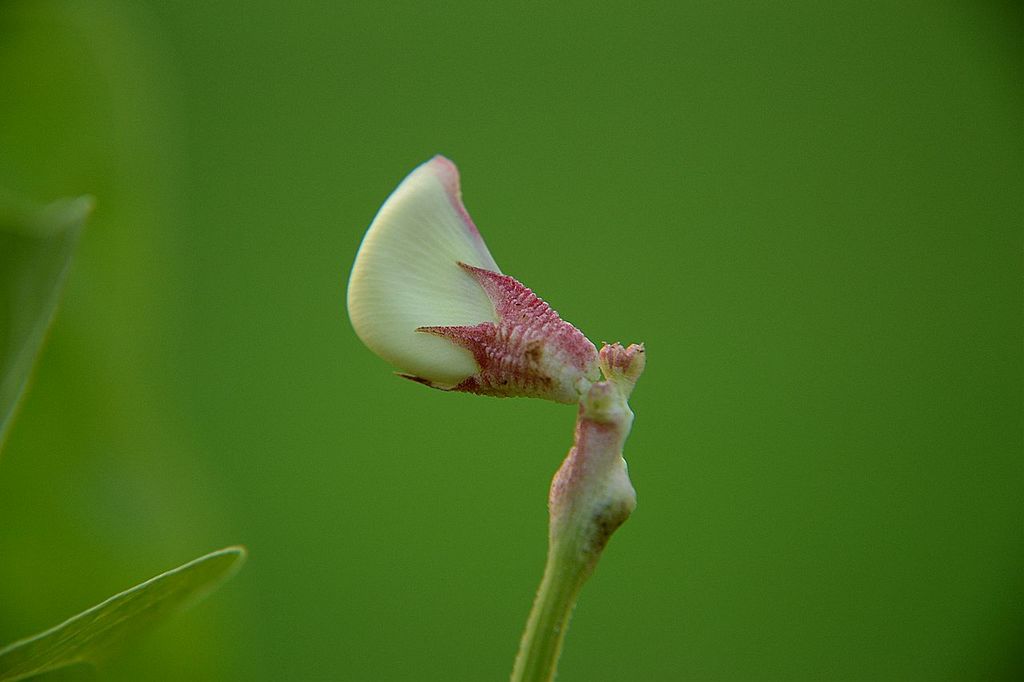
[531,351]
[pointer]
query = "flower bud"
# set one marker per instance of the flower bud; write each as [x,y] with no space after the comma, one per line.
[623,365]
[426,295]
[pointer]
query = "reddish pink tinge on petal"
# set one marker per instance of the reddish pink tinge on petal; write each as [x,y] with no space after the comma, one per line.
[531,351]
[448,174]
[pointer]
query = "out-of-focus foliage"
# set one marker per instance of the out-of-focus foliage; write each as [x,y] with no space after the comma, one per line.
[36,247]
[95,634]
[814,211]
[35,254]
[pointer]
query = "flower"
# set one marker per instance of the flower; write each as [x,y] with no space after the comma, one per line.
[426,296]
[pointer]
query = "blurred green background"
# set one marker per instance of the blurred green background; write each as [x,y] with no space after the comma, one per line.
[811,213]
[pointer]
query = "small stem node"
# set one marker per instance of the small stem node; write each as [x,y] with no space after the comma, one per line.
[590,497]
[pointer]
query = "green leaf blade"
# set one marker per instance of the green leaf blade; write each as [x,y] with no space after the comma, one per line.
[94,634]
[36,247]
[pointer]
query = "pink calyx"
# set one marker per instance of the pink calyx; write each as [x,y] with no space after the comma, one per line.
[529,352]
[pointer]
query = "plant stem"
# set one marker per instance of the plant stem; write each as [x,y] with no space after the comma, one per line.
[590,497]
[545,630]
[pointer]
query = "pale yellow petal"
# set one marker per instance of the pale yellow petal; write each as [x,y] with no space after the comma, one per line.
[406,275]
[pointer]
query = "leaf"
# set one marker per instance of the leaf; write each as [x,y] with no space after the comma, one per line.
[36,246]
[94,634]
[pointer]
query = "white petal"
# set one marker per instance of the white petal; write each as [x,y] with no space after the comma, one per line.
[406,275]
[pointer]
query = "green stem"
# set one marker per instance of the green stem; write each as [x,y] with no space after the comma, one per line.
[564,575]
